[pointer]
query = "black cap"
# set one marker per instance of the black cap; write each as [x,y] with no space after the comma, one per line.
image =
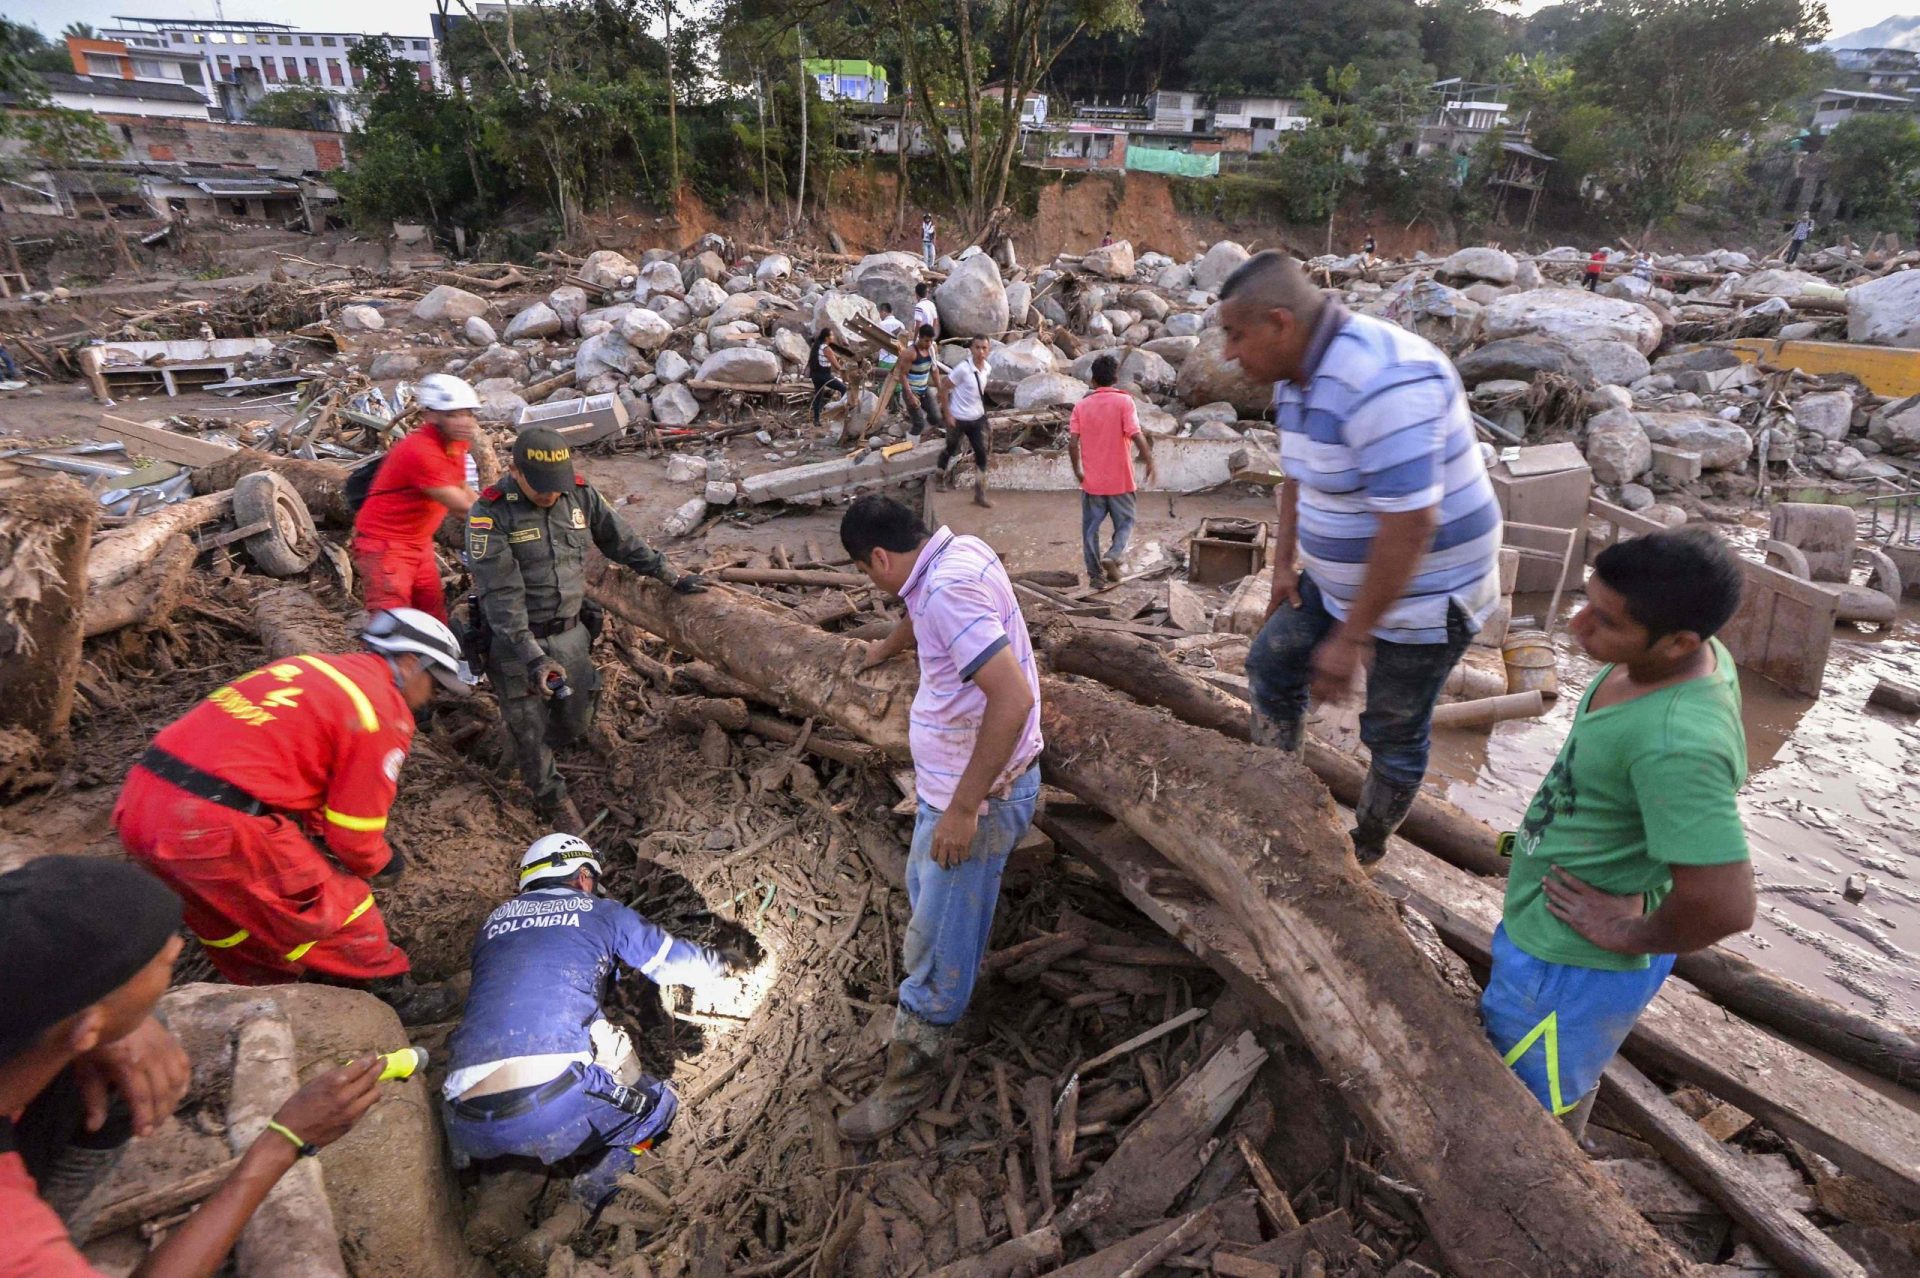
[544,459]
[73,929]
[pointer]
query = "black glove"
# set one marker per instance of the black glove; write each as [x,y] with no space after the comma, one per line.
[395,867]
[690,583]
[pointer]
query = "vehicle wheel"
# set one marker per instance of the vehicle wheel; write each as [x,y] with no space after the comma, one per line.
[290,543]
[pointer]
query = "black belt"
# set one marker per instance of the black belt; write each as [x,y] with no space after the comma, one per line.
[515,1103]
[548,629]
[201,784]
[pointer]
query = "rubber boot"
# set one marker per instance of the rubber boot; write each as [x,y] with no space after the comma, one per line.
[980,494]
[911,1081]
[1110,569]
[1289,736]
[1383,806]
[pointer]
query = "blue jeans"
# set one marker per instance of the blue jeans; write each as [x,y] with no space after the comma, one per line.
[1404,682]
[581,1122]
[1558,1025]
[926,247]
[1095,511]
[953,909]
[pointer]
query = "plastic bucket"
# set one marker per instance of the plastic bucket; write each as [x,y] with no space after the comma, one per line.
[1531,663]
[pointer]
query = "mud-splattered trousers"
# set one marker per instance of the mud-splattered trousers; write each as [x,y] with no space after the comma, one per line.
[953,908]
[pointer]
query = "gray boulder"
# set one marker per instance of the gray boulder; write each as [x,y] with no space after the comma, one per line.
[1519,358]
[608,270]
[1828,414]
[603,319]
[747,365]
[389,364]
[674,405]
[1148,303]
[361,319]
[606,352]
[972,300]
[1149,372]
[1047,390]
[644,330]
[569,302]
[1186,324]
[672,366]
[1019,301]
[704,265]
[1175,279]
[536,321]
[500,400]
[1722,445]
[790,346]
[1220,261]
[1612,363]
[1114,261]
[497,361]
[1444,316]
[1488,264]
[774,266]
[1208,375]
[1174,350]
[478,332]
[662,277]
[1571,315]
[1886,311]
[455,305]
[1012,364]
[704,297]
[1618,448]
[1896,428]
[837,311]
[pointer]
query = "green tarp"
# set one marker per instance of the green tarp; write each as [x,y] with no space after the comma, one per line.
[1146,159]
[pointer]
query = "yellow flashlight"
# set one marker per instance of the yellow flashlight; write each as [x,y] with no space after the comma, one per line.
[404,1063]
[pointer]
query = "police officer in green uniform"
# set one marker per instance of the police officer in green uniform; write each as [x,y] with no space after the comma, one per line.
[527,540]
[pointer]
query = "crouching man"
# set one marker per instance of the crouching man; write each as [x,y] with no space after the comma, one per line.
[535,1069]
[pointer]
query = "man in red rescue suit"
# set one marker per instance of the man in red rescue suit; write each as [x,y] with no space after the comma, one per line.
[421,478]
[265,806]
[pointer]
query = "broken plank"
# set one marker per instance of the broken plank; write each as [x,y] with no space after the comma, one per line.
[1141,1039]
[145,439]
[1788,1237]
[792,577]
[1169,1145]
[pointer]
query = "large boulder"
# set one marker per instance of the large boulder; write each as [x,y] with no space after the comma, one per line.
[606,269]
[1174,350]
[1785,283]
[704,265]
[739,333]
[1220,261]
[704,297]
[392,364]
[1570,315]
[790,346]
[747,365]
[774,266]
[603,319]
[536,321]
[500,401]
[1886,311]
[606,352]
[908,263]
[738,306]
[1010,365]
[1612,363]
[1186,324]
[1175,279]
[1896,428]
[1520,359]
[1722,445]
[1149,372]
[1148,303]
[972,300]
[888,282]
[478,332]
[1019,301]
[674,405]
[361,319]
[497,361]
[1208,375]
[1444,316]
[672,366]
[1488,264]
[1617,447]
[1828,414]
[455,305]
[644,330]
[569,302]
[837,310]
[1049,390]
[1114,261]
[661,278]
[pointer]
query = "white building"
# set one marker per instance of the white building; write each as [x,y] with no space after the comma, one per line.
[1834,107]
[112,95]
[233,53]
[1265,119]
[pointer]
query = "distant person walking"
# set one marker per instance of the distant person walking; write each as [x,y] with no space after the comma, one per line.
[966,407]
[926,239]
[1595,264]
[925,379]
[924,310]
[823,366]
[1801,231]
[892,326]
[1097,445]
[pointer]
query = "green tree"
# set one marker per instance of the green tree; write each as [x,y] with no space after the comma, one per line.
[1874,162]
[25,49]
[1688,81]
[1270,48]
[297,106]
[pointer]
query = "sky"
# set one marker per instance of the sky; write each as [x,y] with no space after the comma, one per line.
[410,17]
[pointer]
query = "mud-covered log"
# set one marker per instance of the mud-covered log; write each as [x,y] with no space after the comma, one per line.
[322,485]
[44,533]
[291,623]
[1142,671]
[1505,1189]
[147,596]
[124,554]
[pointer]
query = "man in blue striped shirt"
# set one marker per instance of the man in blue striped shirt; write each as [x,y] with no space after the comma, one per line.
[1388,505]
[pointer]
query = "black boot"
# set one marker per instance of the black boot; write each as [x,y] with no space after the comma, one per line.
[1383,806]
[1288,735]
[422,1004]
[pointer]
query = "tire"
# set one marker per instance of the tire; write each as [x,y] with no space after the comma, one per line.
[290,545]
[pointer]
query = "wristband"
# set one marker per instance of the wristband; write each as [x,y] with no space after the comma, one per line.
[307,1149]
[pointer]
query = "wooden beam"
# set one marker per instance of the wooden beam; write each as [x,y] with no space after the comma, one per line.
[145,439]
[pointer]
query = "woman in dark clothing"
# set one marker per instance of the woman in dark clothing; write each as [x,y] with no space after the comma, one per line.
[823,366]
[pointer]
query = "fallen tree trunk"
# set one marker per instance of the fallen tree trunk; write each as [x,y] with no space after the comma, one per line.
[1508,1196]
[122,555]
[322,485]
[44,531]
[148,595]
[1141,670]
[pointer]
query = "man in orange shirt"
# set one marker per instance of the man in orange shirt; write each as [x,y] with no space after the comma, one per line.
[1103,422]
[233,804]
[421,478]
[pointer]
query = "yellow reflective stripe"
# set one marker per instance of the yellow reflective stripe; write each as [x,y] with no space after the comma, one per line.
[346,822]
[1549,1030]
[369,721]
[299,952]
[225,942]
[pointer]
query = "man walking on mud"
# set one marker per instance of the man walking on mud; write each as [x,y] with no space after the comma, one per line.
[1390,510]
[975,740]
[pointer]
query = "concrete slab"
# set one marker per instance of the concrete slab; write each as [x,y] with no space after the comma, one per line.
[1186,466]
[1675,465]
[580,421]
[818,481]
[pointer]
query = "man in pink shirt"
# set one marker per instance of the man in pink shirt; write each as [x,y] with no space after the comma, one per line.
[975,739]
[1103,422]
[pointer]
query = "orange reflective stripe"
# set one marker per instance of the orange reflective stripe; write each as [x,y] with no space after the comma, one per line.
[299,952]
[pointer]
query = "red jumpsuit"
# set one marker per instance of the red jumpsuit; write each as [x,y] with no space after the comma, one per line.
[319,740]
[393,533]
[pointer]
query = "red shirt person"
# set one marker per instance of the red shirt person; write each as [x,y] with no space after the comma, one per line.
[1595,264]
[422,478]
[233,803]
[1103,423]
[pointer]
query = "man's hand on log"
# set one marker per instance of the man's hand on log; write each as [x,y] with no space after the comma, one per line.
[1609,921]
[953,837]
[147,1068]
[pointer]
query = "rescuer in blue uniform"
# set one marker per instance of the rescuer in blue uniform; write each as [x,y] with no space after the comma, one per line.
[536,1069]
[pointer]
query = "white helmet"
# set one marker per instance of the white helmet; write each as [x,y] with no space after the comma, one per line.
[444,393]
[556,856]
[396,631]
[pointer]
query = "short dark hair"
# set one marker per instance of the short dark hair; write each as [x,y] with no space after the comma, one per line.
[1674,580]
[926,330]
[1106,370]
[919,290]
[876,521]
[886,308]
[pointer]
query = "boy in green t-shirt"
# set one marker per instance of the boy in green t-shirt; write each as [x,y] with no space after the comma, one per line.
[1632,850]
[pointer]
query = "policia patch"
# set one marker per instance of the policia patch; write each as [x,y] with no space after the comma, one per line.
[478,527]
